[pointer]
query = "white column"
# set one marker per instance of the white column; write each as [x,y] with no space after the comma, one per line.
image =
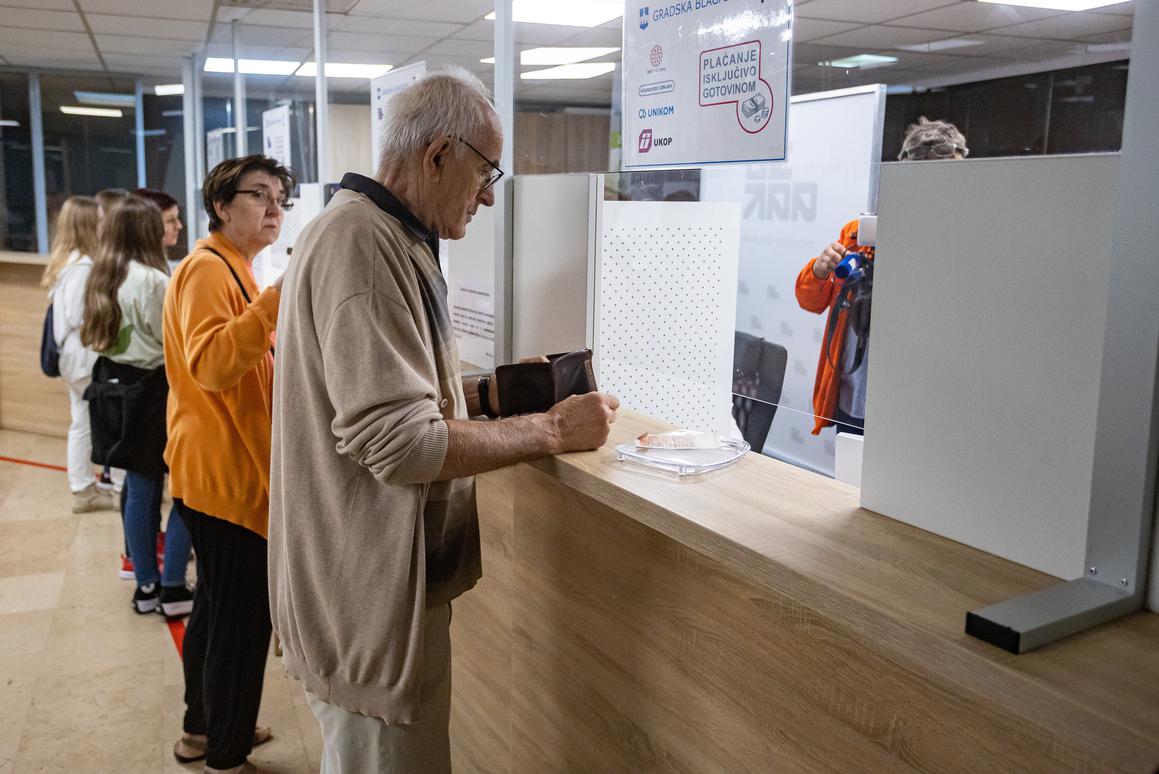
[504,90]
[321,98]
[193,174]
[39,188]
[239,112]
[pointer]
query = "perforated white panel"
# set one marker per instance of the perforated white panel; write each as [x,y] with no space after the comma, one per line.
[665,306]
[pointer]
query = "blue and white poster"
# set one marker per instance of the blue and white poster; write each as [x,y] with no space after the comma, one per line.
[382,89]
[706,81]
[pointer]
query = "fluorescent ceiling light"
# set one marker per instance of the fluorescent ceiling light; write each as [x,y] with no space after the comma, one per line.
[566,13]
[941,45]
[169,89]
[216,64]
[1095,48]
[7,122]
[1057,5]
[544,57]
[340,70]
[105,98]
[862,61]
[90,111]
[570,71]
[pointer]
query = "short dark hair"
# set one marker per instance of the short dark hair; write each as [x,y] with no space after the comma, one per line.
[221,183]
[163,200]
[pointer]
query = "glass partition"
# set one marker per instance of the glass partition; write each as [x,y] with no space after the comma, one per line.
[17,213]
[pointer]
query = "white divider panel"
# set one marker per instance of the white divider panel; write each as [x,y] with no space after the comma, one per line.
[989,308]
[665,307]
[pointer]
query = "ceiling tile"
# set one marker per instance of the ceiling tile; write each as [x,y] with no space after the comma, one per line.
[973,17]
[880,37]
[1121,9]
[172,29]
[1122,36]
[47,56]
[805,29]
[151,65]
[264,36]
[376,25]
[196,10]
[271,18]
[120,44]
[866,11]
[457,11]
[39,5]
[384,44]
[474,49]
[68,41]
[41,19]
[1071,26]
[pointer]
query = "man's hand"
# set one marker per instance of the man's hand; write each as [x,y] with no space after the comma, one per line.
[827,261]
[582,422]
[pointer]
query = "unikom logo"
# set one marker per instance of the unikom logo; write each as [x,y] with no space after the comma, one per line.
[644,17]
[656,56]
[645,142]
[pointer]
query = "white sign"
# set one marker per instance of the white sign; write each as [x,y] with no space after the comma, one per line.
[706,81]
[276,134]
[214,148]
[382,89]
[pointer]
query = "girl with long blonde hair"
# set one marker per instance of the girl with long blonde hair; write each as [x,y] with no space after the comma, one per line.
[124,299]
[69,265]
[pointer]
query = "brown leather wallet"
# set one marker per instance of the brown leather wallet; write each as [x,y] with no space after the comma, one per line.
[532,388]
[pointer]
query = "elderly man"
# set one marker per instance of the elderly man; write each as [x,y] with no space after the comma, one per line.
[373,527]
[839,389]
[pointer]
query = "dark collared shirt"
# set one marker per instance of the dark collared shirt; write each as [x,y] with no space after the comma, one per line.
[389,203]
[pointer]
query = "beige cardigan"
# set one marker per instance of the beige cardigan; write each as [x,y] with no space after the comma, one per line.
[361,541]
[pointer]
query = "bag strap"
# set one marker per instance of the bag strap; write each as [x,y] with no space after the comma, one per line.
[236,279]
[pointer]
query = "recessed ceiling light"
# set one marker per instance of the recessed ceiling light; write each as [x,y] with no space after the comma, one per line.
[566,13]
[215,64]
[8,122]
[105,98]
[557,56]
[941,45]
[1096,48]
[341,70]
[169,89]
[861,61]
[1057,5]
[570,71]
[73,110]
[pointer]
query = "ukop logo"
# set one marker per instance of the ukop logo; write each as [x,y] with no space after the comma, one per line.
[656,56]
[644,144]
[644,17]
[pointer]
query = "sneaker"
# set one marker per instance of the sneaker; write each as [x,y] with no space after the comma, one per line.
[126,572]
[145,598]
[176,601]
[91,499]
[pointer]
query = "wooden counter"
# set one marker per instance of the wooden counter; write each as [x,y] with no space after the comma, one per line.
[29,400]
[756,619]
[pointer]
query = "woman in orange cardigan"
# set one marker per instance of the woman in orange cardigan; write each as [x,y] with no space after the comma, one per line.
[219,332]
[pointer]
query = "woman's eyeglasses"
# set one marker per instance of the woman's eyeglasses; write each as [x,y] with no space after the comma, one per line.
[267,198]
[940,150]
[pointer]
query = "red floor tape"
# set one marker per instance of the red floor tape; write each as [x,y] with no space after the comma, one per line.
[33,463]
[177,630]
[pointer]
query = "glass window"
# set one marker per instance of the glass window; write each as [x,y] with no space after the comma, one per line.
[17,207]
[89,136]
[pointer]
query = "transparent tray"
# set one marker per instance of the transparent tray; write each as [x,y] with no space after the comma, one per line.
[684,462]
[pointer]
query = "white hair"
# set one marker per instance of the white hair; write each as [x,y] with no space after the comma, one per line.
[926,132]
[450,102]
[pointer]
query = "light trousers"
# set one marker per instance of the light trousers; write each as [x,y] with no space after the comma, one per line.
[80,439]
[359,744]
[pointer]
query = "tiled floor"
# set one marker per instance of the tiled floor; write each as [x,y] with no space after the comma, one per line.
[86,684]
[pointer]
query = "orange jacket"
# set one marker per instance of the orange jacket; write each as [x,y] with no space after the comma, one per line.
[221,373]
[815,295]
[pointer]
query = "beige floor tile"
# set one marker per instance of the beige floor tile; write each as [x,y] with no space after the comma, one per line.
[28,547]
[26,593]
[33,493]
[18,679]
[24,634]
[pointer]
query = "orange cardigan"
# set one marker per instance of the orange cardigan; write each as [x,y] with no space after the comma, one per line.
[815,295]
[221,371]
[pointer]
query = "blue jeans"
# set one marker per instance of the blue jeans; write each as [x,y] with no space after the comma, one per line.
[141,505]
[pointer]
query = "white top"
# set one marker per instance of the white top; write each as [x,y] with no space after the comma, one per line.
[142,300]
[68,307]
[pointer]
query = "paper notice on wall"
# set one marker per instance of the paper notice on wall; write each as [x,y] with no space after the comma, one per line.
[706,81]
[473,318]
[214,148]
[276,134]
[382,89]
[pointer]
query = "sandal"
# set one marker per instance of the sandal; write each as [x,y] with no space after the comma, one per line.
[190,748]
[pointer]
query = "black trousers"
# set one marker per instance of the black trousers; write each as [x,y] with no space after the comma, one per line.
[228,636]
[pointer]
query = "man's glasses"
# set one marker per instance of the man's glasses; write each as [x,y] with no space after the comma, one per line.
[494,175]
[267,198]
[940,150]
